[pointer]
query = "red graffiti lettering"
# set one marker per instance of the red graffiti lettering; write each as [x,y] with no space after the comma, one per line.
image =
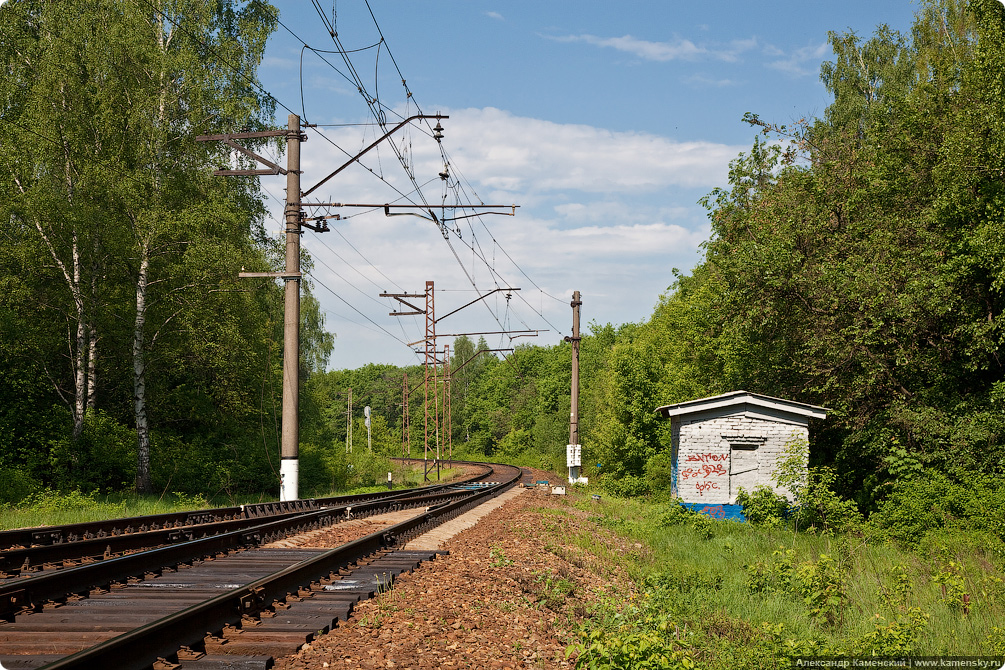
[705,458]
[716,511]
[709,470]
[705,486]
[706,470]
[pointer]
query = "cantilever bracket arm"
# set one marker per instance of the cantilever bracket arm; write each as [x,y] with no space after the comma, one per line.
[400,298]
[481,297]
[387,212]
[375,143]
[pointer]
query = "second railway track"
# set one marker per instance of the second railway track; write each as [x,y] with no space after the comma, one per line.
[222,601]
[27,551]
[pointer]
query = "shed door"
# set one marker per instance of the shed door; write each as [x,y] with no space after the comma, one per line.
[744,462]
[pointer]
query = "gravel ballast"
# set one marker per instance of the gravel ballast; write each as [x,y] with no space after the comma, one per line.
[510,594]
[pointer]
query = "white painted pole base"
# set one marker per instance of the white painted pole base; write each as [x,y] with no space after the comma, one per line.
[289,473]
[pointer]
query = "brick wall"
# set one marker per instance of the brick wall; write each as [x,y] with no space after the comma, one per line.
[717,455]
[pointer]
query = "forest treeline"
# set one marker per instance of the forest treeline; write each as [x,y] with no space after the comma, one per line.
[855,262]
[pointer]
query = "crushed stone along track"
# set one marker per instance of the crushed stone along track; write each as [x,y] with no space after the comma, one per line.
[333,536]
[493,603]
[59,633]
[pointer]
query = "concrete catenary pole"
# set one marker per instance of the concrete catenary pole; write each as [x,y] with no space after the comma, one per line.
[289,469]
[573,449]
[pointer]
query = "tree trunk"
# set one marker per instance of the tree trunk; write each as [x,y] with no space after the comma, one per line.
[92,342]
[143,484]
[92,370]
[80,348]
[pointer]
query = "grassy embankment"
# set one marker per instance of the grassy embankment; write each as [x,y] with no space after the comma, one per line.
[722,594]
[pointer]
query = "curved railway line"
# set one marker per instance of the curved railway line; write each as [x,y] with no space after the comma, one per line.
[205,590]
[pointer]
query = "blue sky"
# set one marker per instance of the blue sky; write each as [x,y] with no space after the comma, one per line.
[605,122]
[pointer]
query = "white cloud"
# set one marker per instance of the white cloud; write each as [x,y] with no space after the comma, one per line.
[678,49]
[604,212]
[801,62]
[495,15]
[517,154]
[655,51]
[702,80]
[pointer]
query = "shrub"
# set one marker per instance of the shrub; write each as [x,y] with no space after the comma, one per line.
[916,506]
[659,474]
[764,507]
[48,500]
[821,585]
[367,468]
[15,485]
[102,458]
[891,638]
[816,504]
[675,515]
[632,650]
[323,470]
[921,505]
[626,486]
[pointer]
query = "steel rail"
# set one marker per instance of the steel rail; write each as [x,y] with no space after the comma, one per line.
[141,648]
[28,559]
[87,530]
[33,592]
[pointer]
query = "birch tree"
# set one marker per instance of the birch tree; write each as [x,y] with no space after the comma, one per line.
[104,101]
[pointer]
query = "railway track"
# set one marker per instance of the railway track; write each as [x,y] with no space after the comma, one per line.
[223,600]
[27,551]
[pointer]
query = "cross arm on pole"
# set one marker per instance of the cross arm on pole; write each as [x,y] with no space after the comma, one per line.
[228,139]
[481,297]
[400,298]
[512,333]
[371,146]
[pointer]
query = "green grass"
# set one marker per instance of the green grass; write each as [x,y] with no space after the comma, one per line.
[50,508]
[699,583]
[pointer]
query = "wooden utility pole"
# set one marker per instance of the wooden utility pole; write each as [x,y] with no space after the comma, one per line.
[574,456]
[348,424]
[406,436]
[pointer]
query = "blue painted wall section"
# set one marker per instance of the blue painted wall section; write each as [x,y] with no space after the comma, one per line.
[732,512]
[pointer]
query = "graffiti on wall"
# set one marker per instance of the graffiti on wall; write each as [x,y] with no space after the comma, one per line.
[706,472]
[724,511]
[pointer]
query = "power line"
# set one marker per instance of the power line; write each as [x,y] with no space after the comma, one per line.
[350,306]
[377,110]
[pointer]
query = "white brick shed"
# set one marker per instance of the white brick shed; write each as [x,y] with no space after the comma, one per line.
[730,441]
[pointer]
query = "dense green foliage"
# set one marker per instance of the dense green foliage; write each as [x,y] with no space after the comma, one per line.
[130,353]
[855,263]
